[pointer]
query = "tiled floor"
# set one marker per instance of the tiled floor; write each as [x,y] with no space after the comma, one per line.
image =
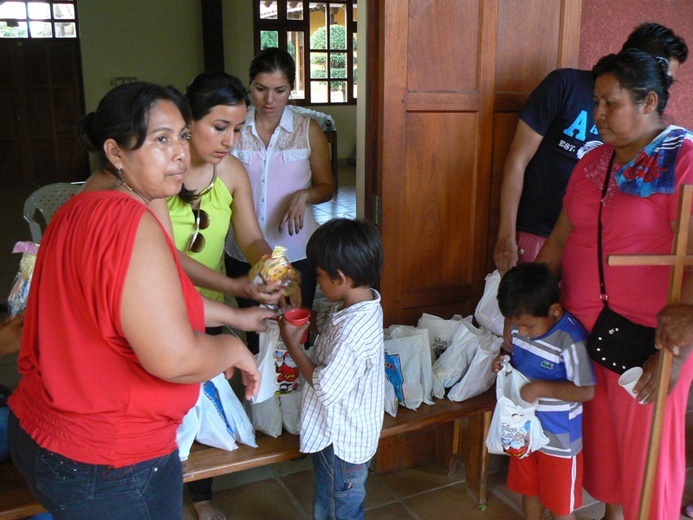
[343,204]
[283,491]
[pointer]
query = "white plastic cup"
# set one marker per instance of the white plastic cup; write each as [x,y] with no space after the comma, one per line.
[629,379]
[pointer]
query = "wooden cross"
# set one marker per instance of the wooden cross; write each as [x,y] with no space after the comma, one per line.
[678,260]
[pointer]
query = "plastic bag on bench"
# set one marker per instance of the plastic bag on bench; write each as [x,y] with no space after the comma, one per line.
[440,331]
[408,367]
[217,419]
[270,415]
[479,376]
[515,430]
[391,401]
[266,416]
[290,409]
[432,386]
[487,313]
[454,362]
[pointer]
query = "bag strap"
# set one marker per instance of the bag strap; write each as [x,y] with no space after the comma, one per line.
[603,296]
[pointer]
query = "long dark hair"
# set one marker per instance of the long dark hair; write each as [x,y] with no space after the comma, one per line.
[208,90]
[213,88]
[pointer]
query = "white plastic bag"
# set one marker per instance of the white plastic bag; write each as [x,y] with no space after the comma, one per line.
[217,419]
[290,409]
[236,415]
[408,367]
[431,385]
[440,331]
[185,435]
[454,362]
[279,373]
[487,313]
[479,376]
[391,402]
[266,416]
[515,430]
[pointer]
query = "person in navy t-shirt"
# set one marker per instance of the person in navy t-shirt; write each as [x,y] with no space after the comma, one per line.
[555,130]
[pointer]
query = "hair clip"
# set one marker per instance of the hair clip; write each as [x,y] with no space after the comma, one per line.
[664,62]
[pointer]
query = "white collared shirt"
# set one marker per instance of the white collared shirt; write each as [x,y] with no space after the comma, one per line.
[345,405]
[275,173]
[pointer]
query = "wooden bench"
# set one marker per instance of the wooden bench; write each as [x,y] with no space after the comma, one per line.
[441,433]
[16,501]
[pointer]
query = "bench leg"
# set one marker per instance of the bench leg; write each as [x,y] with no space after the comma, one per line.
[472,450]
[447,445]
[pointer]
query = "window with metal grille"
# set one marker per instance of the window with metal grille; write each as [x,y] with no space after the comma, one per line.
[321,37]
[38,19]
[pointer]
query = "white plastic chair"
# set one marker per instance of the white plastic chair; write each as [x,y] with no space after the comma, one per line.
[45,201]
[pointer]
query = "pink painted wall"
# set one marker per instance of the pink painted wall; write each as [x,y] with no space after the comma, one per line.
[605,25]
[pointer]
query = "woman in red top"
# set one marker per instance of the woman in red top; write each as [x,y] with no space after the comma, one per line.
[114,348]
[623,199]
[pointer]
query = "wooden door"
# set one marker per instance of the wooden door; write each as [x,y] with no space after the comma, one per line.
[437,69]
[41,101]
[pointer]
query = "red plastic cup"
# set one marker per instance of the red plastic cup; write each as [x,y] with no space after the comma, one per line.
[297,318]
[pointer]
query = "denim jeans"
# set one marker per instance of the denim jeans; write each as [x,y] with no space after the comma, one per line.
[68,489]
[338,487]
[4,416]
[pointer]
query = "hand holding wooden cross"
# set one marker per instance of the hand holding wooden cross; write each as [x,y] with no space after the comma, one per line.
[678,259]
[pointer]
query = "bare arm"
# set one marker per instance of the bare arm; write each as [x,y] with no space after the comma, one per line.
[155,322]
[11,334]
[564,390]
[322,187]
[552,251]
[292,337]
[243,219]
[249,319]
[203,276]
[524,146]
[675,322]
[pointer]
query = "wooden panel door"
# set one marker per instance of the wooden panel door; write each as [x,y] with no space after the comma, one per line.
[41,101]
[437,83]
[433,71]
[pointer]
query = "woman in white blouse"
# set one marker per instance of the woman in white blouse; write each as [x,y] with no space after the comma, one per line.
[287,159]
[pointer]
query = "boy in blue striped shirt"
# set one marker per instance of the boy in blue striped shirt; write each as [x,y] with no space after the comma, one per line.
[548,346]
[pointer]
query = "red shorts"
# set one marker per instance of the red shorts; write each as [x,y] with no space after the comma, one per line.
[557,481]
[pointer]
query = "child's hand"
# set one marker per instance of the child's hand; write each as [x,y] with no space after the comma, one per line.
[291,334]
[497,363]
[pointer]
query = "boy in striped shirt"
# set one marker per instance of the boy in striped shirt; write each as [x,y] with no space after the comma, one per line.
[548,346]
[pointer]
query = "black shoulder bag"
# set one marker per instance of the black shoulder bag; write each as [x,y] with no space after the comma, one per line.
[616,342]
